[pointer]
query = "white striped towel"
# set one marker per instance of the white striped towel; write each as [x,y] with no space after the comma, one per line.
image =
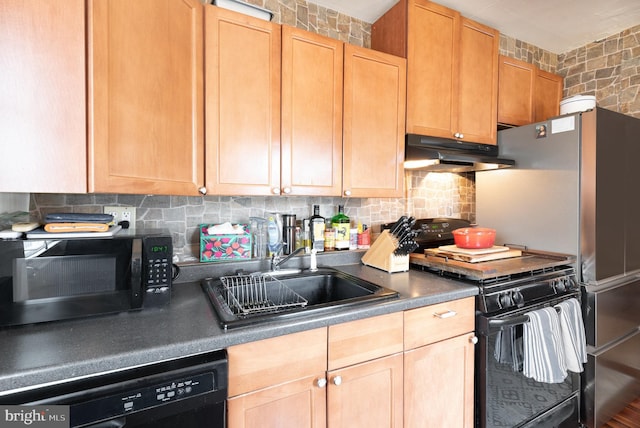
[543,354]
[573,337]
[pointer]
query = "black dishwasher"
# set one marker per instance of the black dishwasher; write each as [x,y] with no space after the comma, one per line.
[187,393]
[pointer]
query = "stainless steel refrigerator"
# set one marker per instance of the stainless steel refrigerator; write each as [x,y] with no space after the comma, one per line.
[576,189]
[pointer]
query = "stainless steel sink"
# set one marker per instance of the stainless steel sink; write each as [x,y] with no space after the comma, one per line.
[249,299]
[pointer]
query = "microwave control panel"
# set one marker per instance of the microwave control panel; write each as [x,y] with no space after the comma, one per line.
[158,268]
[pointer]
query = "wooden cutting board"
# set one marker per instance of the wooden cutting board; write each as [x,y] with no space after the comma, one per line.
[472,251]
[529,261]
[470,257]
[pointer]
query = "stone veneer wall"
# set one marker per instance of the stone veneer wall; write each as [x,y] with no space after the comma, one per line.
[513,48]
[608,69]
[318,19]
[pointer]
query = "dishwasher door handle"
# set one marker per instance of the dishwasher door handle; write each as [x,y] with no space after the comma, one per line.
[113,423]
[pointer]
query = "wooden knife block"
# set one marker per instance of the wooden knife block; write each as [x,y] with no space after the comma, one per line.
[381,256]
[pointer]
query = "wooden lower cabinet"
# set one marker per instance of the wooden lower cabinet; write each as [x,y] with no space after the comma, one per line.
[300,403]
[438,384]
[360,374]
[367,395]
[439,365]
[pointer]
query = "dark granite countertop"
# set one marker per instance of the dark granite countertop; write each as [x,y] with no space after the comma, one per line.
[41,354]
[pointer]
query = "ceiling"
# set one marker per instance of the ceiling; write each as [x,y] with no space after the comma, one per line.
[554,25]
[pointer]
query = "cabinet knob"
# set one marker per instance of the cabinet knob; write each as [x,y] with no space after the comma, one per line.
[347,192]
[202,190]
[461,136]
[337,380]
[286,190]
[444,315]
[321,383]
[275,190]
[473,339]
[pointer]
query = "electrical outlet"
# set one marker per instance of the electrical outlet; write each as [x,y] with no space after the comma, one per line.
[122,214]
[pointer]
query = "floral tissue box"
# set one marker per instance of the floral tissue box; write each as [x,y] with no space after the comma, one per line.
[220,242]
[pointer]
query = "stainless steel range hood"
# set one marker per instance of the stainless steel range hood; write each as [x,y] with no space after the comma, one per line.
[444,155]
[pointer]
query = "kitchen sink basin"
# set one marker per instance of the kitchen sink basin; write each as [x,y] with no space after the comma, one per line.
[243,300]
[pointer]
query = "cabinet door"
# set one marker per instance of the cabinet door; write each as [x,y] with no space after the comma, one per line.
[515,91]
[42,96]
[146,129]
[548,93]
[312,85]
[432,63]
[367,395]
[374,123]
[242,62]
[438,384]
[300,404]
[476,116]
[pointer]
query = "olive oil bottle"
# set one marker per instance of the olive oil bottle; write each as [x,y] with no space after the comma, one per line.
[341,224]
[316,226]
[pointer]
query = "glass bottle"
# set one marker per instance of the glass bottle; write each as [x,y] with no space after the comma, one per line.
[317,226]
[341,223]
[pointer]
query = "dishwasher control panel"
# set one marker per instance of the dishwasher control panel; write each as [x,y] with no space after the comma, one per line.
[146,397]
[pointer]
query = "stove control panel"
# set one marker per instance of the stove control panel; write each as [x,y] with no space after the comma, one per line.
[518,293]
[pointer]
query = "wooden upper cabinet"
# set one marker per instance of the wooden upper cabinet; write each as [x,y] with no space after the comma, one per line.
[526,93]
[478,86]
[146,128]
[515,91]
[374,123]
[432,60]
[43,96]
[452,70]
[547,95]
[312,83]
[242,74]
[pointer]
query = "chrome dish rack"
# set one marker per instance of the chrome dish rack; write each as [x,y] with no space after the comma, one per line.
[256,294]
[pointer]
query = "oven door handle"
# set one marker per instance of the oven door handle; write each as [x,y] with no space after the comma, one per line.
[506,322]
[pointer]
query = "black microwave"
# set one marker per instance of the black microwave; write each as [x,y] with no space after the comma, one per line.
[55,279]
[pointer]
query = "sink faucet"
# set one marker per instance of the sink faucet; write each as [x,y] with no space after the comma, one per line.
[276,261]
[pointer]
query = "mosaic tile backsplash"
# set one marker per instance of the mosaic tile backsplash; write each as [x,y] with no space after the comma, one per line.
[428,195]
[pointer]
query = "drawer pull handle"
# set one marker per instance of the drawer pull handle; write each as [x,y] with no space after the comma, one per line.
[444,315]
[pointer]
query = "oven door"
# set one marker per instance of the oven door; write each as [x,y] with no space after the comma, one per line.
[504,396]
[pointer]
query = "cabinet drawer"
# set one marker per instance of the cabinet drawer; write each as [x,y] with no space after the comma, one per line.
[363,340]
[263,363]
[438,322]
